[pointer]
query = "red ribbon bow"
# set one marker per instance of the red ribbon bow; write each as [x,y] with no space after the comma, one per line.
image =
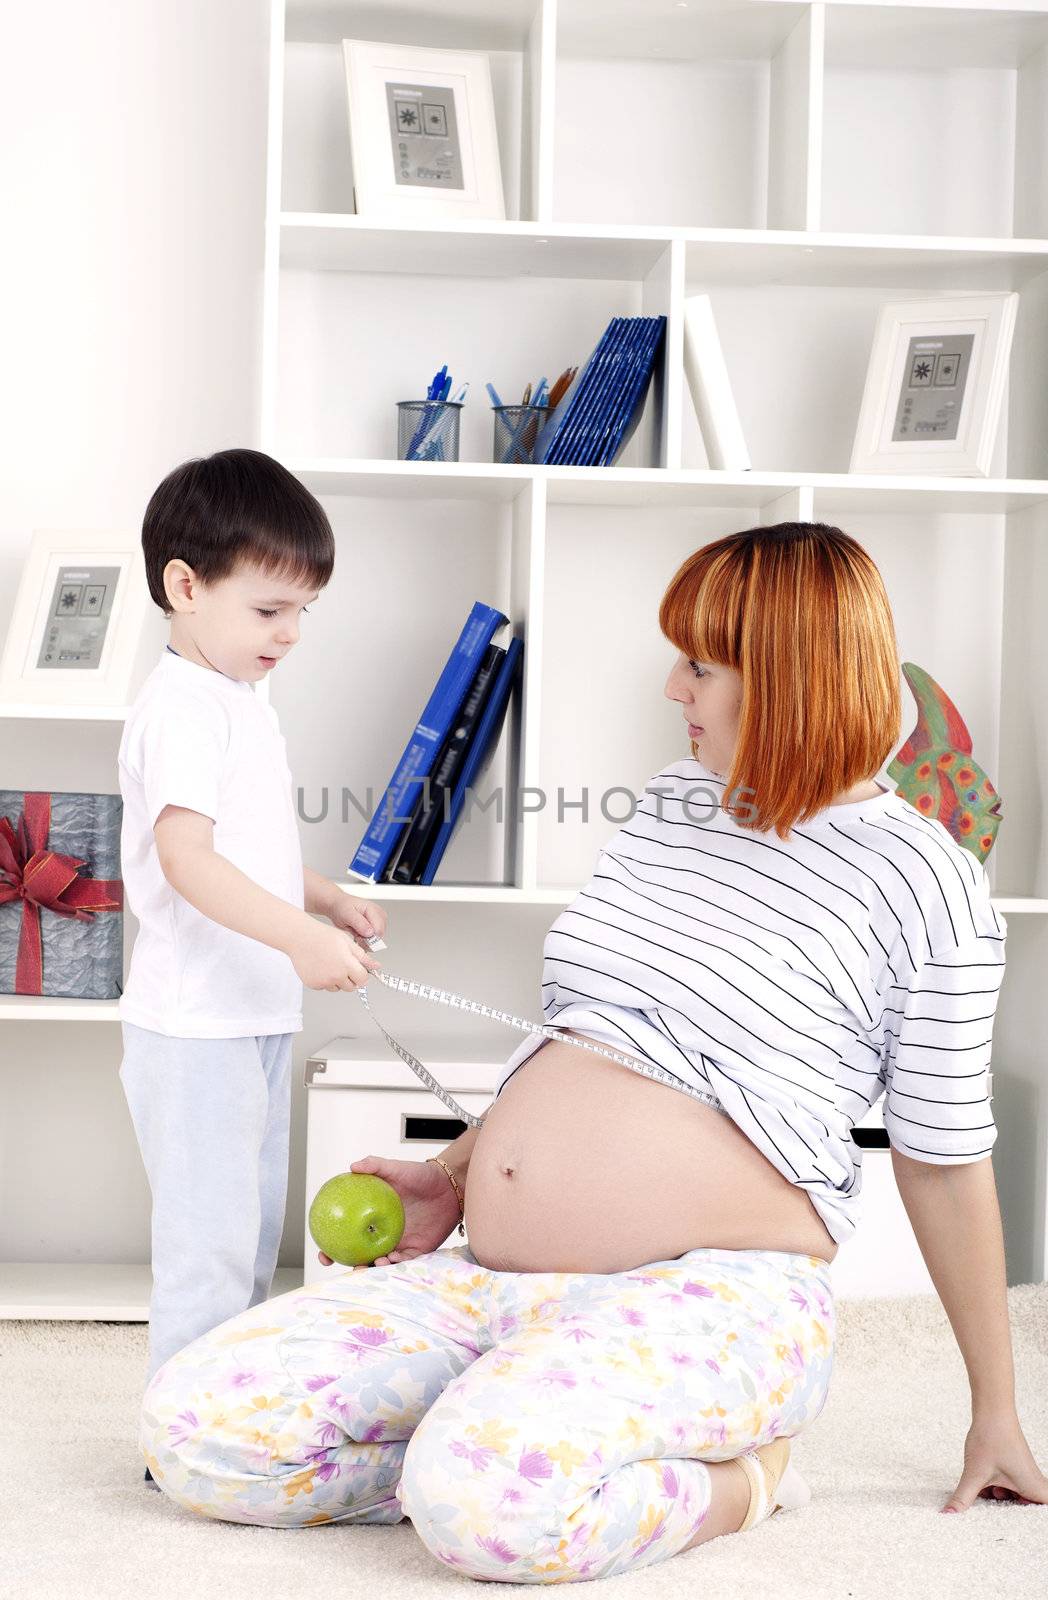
[40,877]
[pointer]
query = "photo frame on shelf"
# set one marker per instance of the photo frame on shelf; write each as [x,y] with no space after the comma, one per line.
[934,386]
[422,131]
[77,621]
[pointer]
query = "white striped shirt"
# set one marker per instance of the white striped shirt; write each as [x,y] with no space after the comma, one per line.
[801,978]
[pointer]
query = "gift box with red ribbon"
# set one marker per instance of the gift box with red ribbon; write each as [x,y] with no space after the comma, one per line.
[61,895]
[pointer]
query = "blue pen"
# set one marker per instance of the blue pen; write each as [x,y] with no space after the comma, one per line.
[427,446]
[430,445]
[436,391]
[435,430]
[436,388]
[493,392]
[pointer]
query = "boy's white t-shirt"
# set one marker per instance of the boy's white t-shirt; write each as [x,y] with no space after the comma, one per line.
[195,737]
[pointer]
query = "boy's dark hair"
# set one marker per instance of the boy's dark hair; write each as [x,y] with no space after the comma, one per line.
[238,505]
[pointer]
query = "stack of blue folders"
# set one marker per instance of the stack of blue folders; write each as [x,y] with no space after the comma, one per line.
[453,740]
[597,417]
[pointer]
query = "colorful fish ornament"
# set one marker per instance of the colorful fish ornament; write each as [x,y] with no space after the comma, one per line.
[935,772]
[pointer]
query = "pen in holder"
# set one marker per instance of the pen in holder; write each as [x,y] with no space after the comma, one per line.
[516,433]
[428,430]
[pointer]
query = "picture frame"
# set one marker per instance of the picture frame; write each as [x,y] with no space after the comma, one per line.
[78,620]
[935,383]
[422,132]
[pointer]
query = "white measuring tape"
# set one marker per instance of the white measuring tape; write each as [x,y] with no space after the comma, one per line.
[425,991]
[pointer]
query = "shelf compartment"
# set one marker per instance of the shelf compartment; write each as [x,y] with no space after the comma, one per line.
[605,666]
[954,100]
[1022,778]
[316,160]
[352,344]
[677,114]
[811,342]
[453,552]
[967,586]
[945,571]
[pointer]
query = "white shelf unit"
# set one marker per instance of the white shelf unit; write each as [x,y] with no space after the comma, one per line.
[651,150]
[760,165]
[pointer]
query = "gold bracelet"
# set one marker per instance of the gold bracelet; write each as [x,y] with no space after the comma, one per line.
[458,1191]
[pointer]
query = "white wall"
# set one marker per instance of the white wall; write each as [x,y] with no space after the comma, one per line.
[132,177]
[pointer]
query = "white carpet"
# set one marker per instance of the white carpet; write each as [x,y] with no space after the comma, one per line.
[77,1522]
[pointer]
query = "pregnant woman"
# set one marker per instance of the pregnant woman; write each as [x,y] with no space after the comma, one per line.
[610,1372]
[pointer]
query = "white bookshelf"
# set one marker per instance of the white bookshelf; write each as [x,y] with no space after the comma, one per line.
[800,163]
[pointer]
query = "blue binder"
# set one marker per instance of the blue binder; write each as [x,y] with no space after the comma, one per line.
[481,746]
[574,445]
[631,401]
[551,448]
[392,815]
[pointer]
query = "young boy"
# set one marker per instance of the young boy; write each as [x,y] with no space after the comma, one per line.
[212,867]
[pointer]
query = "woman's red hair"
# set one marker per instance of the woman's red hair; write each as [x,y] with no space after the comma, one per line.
[800,610]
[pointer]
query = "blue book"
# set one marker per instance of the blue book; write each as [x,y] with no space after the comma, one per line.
[552,438]
[480,749]
[431,730]
[610,402]
[628,413]
[608,418]
[417,839]
[624,407]
[574,447]
[611,342]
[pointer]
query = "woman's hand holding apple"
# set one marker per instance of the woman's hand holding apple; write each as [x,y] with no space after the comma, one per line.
[431,1210]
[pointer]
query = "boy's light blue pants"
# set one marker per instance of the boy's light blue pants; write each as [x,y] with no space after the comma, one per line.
[212,1118]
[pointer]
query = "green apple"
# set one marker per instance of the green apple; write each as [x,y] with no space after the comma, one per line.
[356,1217]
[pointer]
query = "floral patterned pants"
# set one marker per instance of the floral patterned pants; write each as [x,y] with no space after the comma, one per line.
[541,1427]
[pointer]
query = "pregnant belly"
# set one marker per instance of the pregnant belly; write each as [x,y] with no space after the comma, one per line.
[582,1165]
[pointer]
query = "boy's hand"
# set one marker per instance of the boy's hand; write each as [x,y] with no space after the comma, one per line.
[361,917]
[327,958]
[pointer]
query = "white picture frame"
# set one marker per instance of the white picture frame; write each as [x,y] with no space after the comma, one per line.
[82,596]
[935,384]
[448,165]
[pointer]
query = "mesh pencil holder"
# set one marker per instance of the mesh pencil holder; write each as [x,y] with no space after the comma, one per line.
[428,430]
[516,433]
